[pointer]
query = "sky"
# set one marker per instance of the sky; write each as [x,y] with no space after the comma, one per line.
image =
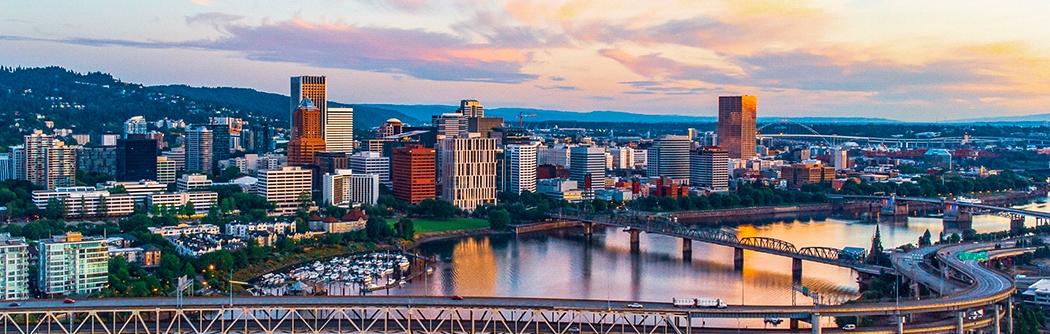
[898,59]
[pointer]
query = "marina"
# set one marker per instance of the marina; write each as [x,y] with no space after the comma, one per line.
[343,275]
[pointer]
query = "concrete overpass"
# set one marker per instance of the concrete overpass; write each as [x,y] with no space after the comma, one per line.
[992,208]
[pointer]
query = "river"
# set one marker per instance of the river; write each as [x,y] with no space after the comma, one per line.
[564,264]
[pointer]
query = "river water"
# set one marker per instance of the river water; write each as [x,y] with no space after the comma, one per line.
[564,264]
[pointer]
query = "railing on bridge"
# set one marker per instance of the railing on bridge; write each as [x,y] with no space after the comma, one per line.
[664,225]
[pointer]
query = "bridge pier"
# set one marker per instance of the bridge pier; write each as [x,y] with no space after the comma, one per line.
[687,249]
[588,228]
[793,323]
[1010,315]
[995,323]
[635,240]
[796,271]
[738,258]
[815,321]
[959,317]
[900,324]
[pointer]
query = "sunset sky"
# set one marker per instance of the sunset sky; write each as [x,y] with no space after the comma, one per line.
[907,60]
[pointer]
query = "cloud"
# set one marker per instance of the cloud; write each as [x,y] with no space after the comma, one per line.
[556,87]
[556,78]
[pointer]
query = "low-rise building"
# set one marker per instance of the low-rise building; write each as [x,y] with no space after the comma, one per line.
[184,229]
[202,200]
[147,256]
[140,190]
[79,202]
[190,182]
[243,229]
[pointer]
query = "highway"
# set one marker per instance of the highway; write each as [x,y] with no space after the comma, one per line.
[1031,213]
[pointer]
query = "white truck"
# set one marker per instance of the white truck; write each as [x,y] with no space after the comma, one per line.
[698,302]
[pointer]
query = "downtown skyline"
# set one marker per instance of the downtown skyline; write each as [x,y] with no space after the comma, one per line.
[914,62]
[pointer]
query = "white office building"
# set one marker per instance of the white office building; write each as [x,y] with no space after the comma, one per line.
[191,182]
[709,168]
[80,202]
[522,167]
[283,187]
[339,130]
[468,171]
[371,163]
[588,160]
[202,200]
[346,188]
[165,170]
[669,157]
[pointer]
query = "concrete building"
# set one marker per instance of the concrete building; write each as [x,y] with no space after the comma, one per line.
[140,190]
[184,229]
[450,125]
[622,157]
[414,176]
[736,125]
[557,155]
[178,155]
[283,187]
[307,138]
[6,166]
[81,202]
[339,130]
[49,162]
[391,127]
[587,161]
[202,201]
[199,153]
[669,157]
[190,182]
[840,159]
[18,162]
[468,171]
[14,268]
[313,88]
[72,264]
[709,168]
[165,170]
[521,165]
[101,159]
[798,175]
[371,163]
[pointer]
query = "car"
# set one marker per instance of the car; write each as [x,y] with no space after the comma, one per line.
[634,305]
[457,297]
[14,304]
[849,327]
[68,301]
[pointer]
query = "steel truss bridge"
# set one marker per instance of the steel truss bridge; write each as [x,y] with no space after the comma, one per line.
[661,225]
[996,209]
[793,130]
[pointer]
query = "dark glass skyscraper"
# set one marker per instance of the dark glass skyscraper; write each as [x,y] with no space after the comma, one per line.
[736,125]
[136,158]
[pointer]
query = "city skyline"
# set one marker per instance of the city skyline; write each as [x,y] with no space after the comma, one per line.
[930,62]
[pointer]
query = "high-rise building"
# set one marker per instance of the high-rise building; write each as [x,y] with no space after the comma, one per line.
[622,157]
[313,88]
[587,161]
[14,268]
[220,142]
[345,188]
[468,171]
[262,137]
[283,187]
[6,166]
[391,127]
[307,137]
[470,108]
[49,162]
[134,126]
[371,163]
[199,140]
[18,162]
[71,264]
[414,174]
[165,170]
[709,168]
[97,159]
[840,158]
[450,125]
[736,125]
[484,125]
[339,130]
[521,165]
[669,157]
[329,162]
[136,159]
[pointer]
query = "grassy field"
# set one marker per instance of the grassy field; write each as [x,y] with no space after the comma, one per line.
[453,224]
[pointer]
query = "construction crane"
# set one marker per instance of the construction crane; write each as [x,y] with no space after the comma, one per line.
[521,119]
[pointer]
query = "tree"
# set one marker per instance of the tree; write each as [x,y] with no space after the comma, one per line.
[229,173]
[668,203]
[305,203]
[600,205]
[499,219]
[925,239]
[876,255]
[406,229]
[188,209]
[955,238]
[437,209]
[55,208]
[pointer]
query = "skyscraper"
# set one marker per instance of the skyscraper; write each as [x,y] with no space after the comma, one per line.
[371,163]
[262,137]
[522,167]
[450,125]
[199,155]
[313,88]
[339,130]
[414,176]
[736,125]
[134,126]
[136,159]
[306,138]
[587,160]
[220,143]
[669,157]
[468,171]
[471,108]
[709,168]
